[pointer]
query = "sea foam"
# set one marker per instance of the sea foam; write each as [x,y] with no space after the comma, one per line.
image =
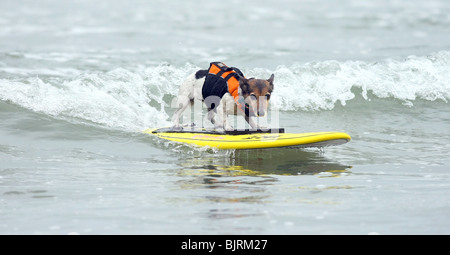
[321,85]
[140,97]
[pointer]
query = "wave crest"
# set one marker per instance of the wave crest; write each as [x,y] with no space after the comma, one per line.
[320,85]
[139,97]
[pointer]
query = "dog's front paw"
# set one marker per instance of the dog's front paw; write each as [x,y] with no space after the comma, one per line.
[177,128]
[218,127]
[228,128]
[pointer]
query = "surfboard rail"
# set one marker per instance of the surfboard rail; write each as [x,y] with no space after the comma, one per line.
[250,139]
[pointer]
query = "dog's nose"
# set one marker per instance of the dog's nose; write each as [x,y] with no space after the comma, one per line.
[261,113]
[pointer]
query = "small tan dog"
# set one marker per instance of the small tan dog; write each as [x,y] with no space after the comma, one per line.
[226,91]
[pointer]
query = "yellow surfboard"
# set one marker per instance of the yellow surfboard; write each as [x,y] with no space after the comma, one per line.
[248,139]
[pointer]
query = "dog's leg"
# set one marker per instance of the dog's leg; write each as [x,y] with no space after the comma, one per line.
[251,122]
[222,121]
[185,97]
[182,102]
[211,115]
[218,118]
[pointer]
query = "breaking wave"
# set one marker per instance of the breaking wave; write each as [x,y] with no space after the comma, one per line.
[321,85]
[139,97]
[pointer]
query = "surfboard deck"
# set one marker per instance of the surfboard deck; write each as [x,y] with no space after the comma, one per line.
[250,139]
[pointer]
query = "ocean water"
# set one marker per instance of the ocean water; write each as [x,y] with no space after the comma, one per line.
[80,81]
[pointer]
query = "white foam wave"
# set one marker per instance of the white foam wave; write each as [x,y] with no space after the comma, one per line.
[120,99]
[137,98]
[320,85]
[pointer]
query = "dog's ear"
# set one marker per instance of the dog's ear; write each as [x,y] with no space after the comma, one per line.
[270,80]
[243,84]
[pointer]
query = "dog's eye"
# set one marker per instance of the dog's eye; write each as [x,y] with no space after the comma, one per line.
[268,96]
[253,96]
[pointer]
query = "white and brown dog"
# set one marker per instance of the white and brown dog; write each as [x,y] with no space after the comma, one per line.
[225,91]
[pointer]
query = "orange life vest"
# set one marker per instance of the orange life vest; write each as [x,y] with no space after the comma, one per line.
[222,79]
